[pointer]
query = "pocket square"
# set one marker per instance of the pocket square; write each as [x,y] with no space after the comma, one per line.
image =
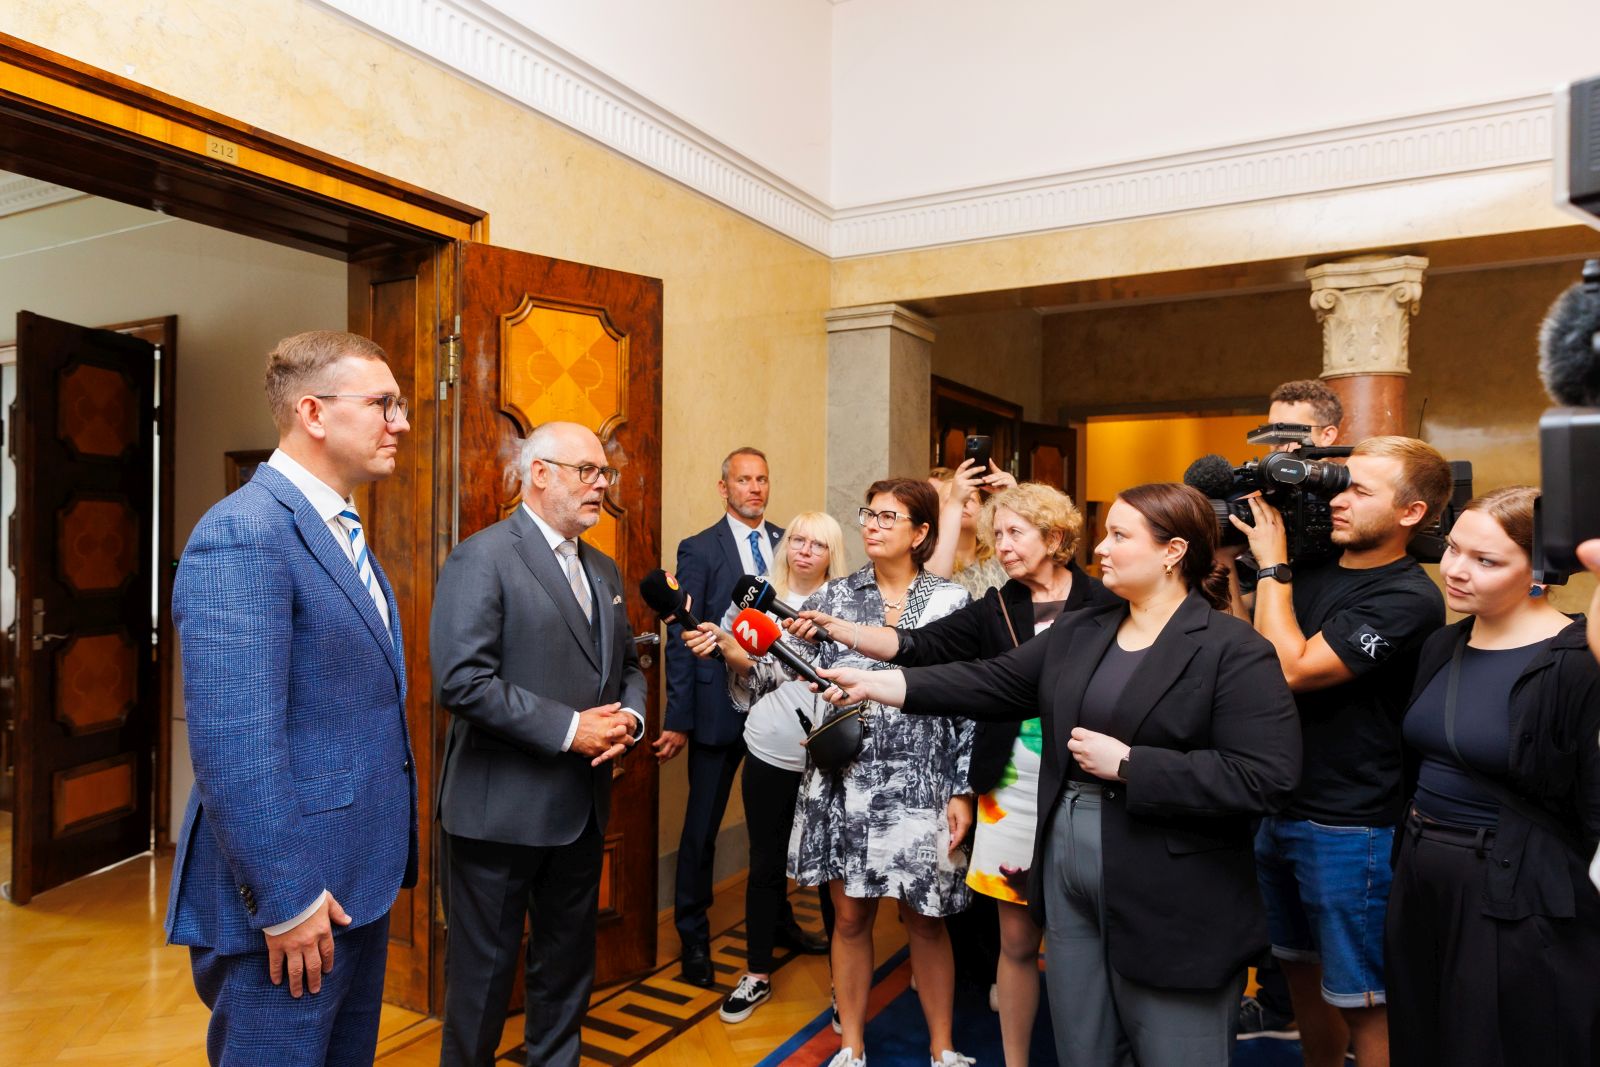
[616,600]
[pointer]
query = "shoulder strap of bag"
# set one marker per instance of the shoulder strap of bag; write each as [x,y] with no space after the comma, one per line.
[1006,614]
[1520,804]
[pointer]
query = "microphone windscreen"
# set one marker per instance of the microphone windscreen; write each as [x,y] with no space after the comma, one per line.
[1568,363]
[751,592]
[661,592]
[1212,475]
[754,631]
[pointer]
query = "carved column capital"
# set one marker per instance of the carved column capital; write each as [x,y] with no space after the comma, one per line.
[1365,307]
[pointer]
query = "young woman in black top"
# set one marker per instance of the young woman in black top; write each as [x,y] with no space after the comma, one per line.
[1035,531]
[1493,931]
[1167,725]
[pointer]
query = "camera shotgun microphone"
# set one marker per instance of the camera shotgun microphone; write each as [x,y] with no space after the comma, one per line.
[663,595]
[758,635]
[1569,343]
[758,593]
[1212,475]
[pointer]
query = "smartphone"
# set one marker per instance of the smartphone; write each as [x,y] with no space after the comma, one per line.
[978,447]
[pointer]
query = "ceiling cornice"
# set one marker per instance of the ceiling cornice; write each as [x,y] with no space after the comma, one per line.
[475,41]
[18,194]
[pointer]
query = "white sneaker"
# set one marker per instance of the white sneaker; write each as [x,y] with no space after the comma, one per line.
[952,1059]
[846,1057]
[833,1013]
[994,997]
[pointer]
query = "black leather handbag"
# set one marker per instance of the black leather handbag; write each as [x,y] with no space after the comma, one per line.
[835,744]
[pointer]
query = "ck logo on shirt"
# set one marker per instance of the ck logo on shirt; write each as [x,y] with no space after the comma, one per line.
[1372,645]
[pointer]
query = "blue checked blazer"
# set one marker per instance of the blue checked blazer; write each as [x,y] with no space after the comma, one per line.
[295,700]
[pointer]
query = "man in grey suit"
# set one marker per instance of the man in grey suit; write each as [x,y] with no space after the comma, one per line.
[533,655]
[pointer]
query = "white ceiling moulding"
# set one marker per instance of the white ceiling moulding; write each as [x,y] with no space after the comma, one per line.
[1492,136]
[472,39]
[19,194]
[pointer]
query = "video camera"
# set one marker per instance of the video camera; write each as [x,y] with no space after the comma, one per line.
[1301,485]
[1568,509]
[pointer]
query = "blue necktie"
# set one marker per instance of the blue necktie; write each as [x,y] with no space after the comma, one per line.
[363,561]
[755,554]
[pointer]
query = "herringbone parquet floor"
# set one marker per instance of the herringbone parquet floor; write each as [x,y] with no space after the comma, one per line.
[85,979]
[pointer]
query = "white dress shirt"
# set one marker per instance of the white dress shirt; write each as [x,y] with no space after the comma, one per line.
[552,538]
[741,538]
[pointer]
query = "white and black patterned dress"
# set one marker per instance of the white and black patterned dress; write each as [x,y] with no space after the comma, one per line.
[879,825]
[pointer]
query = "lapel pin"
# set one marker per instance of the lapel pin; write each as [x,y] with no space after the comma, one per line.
[616,600]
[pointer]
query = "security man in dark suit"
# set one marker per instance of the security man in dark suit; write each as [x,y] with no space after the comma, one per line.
[534,657]
[699,715]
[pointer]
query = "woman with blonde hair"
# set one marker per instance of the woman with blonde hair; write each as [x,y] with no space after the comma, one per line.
[1035,531]
[810,554]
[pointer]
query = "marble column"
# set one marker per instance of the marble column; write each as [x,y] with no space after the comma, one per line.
[880,359]
[1365,306]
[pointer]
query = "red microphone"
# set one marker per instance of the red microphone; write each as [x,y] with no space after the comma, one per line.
[757,634]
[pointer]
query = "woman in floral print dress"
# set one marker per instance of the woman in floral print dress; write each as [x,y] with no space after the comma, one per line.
[891,822]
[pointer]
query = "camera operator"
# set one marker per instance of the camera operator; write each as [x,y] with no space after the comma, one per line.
[1347,634]
[1309,403]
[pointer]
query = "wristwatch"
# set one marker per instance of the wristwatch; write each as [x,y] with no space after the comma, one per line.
[1279,573]
[1122,769]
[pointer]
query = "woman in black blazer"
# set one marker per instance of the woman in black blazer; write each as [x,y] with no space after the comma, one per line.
[1167,728]
[1493,932]
[1035,530]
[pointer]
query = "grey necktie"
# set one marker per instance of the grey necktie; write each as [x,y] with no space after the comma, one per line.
[568,551]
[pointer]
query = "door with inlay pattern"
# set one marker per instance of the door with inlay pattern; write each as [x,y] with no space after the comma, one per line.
[86,713]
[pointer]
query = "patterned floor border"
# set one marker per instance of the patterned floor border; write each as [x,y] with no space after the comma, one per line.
[642,1016]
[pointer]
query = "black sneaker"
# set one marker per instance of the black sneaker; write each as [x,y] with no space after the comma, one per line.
[745,998]
[1257,1020]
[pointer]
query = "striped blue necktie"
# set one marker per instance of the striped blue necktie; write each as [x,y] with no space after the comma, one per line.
[363,560]
[755,554]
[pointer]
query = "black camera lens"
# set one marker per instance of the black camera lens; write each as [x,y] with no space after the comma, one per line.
[1285,468]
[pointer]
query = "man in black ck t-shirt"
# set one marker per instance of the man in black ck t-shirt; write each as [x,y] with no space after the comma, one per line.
[1347,634]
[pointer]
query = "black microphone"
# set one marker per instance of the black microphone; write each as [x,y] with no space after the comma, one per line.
[1569,343]
[1212,475]
[663,595]
[758,593]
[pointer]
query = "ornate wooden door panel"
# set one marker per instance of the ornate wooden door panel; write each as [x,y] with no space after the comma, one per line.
[545,339]
[86,686]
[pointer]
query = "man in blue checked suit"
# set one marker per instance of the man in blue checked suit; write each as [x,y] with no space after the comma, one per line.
[302,824]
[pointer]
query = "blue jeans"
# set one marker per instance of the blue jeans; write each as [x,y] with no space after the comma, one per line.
[1326,890]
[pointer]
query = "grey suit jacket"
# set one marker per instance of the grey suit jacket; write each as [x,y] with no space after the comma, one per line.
[513,658]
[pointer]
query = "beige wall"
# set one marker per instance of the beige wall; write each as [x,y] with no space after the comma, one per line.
[998,352]
[745,353]
[234,297]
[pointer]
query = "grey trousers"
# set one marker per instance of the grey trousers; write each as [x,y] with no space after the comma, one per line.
[1102,1019]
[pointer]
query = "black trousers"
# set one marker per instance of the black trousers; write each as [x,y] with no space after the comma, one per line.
[711,770]
[1469,990]
[769,798]
[491,888]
